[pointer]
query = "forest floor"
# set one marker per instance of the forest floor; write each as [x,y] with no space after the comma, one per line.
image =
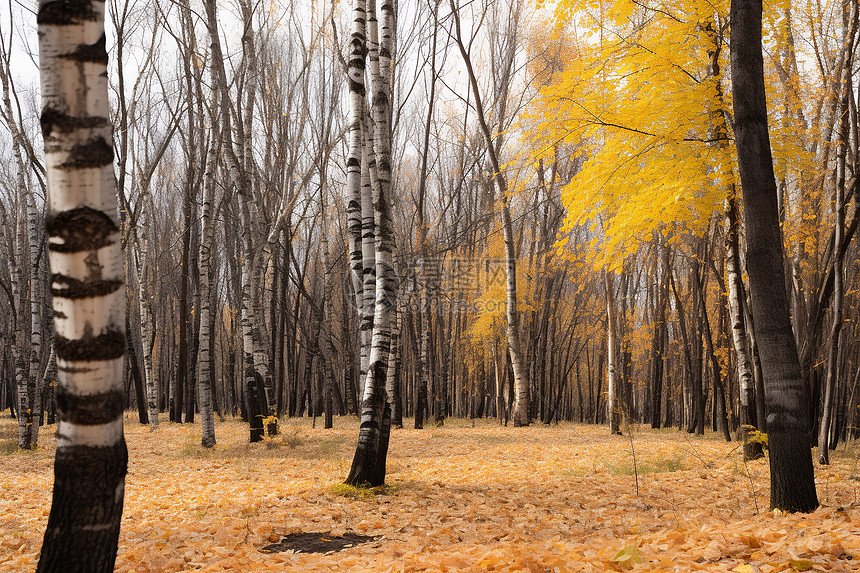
[461,498]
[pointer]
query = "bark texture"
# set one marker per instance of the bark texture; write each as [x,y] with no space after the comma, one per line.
[87,287]
[792,479]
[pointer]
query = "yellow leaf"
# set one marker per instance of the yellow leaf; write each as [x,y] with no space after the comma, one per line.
[628,557]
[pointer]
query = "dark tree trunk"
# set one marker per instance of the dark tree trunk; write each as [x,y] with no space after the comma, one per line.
[792,478]
[256,407]
[139,391]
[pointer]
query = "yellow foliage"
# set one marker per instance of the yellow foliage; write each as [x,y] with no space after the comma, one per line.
[643,94]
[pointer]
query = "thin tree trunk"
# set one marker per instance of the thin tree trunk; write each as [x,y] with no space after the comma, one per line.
[146,319]
[748,415]
[423,378]
[613,414]
[521,384]
[204,353]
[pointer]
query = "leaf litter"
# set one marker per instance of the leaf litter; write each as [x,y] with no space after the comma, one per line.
[462,498]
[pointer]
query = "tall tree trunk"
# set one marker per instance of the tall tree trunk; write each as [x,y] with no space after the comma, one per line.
[792,478]
[36,298]
[204,372]
[719,403]
[89,306]
[24,275]
[659,337]
[146,320]
[326,330]
[521,384]
[182,363]
[393,385]
[697,420]
[423,378]
[368,465]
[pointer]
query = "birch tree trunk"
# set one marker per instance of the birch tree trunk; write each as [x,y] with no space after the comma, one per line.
[204,353]
[18,266]
[613,412]
[392,388]
[34,381]
[746,383]
[355,73]
[255,362]
[255,318]
[423,334]
[19,348]
[792,477]
[87,288]
[660,335]
[325,334]
[146,320]
[368,466]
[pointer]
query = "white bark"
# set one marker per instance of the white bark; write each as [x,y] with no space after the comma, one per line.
[36,298]
[612,408]
[203,371]
[354,160]
[369,462]
[87,286]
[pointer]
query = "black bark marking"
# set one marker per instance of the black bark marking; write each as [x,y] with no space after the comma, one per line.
[73,370]
[381,100]
[94,153]
[65,13]
[94,53]
[355,87]
[81,229]
[86,509]
[94,267]
[106,346]
[89,409]
[54,119]
[356,61]
[75,289]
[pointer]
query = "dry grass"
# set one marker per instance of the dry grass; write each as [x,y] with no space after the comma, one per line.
[464,499]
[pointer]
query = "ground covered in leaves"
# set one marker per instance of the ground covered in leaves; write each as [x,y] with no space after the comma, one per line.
[460,498]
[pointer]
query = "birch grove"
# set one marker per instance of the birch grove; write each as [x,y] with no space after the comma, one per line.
[399,215]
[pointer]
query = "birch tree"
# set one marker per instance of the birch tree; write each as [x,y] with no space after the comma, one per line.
[87,288]
[368,465]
